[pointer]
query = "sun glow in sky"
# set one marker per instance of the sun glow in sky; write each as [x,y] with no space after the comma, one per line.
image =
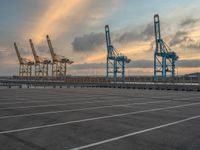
[76,28]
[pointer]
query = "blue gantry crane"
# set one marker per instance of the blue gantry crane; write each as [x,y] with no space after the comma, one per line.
[115,60]
[164,57]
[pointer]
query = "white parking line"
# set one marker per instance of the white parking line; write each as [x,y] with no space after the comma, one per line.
[81,109]
[187,98]
[37,101]
[175,98]
[63,104]
[97,118]
[27,102]
[135,133]
[45,101]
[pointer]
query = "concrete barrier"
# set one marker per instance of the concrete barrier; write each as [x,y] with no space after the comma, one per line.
[60,84]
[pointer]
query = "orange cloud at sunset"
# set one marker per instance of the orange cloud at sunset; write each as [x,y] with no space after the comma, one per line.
[49,22]
[134,51]
[96,58]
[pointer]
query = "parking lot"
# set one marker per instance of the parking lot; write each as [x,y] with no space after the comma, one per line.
[99,119]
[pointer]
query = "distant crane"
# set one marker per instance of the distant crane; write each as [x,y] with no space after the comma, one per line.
[25,65]
[164,57]
[59,63]
[41,63]
[115,60]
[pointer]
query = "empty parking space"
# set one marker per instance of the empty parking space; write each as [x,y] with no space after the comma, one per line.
[91,118]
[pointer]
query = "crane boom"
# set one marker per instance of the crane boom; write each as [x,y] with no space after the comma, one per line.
[18,54]
[25,65]
[157,32]
[51,48]
[34,52]
[110,48]
[108,38]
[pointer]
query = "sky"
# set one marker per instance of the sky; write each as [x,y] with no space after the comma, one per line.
[76,28]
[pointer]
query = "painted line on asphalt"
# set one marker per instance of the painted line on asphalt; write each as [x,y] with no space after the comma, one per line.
[96,118]
[135,133]
[40,101]
[63,104]
[187,98]
[46,101]
[43,101]
[81,109]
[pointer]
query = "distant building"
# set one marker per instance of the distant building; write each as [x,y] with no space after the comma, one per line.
[193,75]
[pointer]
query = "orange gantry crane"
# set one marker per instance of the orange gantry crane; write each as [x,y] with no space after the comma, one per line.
[41,63]
[25,65]
[59,63]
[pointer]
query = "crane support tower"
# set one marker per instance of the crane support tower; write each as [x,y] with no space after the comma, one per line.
[115,60]
[25,65]
[59,63]
[41,63]
[164,57]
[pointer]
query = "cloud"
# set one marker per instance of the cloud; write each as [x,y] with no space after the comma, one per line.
[183,40]
[189,22]
[8,69]
[22,50]
[188,63]
[138,64]
[3,52]
[151,46]
[9,53]
[179,38]
[67,17]
[51,20]
[144,34]
[133,64]
[141,64]
[8,56]
[128,37]
[88,42]
[89,66]
[43,49]
[148,32]
[76,26]
[195,45]
[94,41]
